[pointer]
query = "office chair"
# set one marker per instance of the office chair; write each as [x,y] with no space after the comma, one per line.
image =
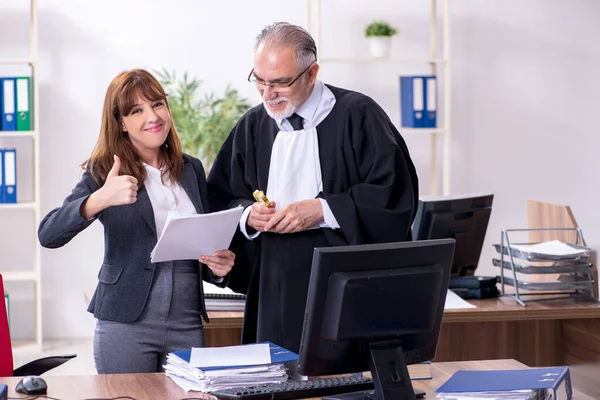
[35,367]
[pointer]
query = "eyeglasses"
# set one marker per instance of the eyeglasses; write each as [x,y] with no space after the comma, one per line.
[275,85]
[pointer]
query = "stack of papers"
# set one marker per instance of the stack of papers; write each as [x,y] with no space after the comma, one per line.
[222,299]
[187,237]
[554,248]
[215,368]
[222,303]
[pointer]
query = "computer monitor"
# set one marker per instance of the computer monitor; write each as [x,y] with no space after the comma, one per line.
[463,218]
[375,307]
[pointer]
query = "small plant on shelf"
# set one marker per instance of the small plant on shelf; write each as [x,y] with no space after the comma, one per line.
[380,28]
[379,34]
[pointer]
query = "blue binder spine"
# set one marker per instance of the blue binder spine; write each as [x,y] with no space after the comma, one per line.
[412,101]
[8,104]
[1,175]
[10,175]
[430,120]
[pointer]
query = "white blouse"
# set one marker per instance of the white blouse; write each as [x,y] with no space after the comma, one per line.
[167,199]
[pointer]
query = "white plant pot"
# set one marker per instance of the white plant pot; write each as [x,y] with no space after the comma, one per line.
[379,46]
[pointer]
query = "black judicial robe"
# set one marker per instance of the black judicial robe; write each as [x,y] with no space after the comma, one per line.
[369,182]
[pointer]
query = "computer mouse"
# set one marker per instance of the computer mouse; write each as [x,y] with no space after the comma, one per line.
[32,385]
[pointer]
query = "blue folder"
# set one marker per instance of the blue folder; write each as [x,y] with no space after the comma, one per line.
[1,178]
[507,380]
[430,118]
[418,101]
[10,176]
[278,355]
[412,101]
[8,104]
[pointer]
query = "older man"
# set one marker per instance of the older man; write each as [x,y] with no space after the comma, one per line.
[334,167]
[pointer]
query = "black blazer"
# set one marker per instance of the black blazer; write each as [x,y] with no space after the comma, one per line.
[126,274]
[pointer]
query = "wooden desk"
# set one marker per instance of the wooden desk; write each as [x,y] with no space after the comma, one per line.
[158,386]
[544,333]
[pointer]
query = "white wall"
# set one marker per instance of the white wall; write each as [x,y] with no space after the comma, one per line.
[523,78]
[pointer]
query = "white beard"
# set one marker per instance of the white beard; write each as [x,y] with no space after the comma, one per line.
[287,112]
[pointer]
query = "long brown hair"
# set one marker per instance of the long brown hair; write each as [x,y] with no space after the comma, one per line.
[120,98]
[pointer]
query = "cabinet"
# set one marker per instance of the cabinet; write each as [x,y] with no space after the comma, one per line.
[26,273]
[435,65]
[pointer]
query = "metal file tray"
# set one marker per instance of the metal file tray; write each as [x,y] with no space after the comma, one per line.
[565,282]
[532,256]
[556,268]
[575,270]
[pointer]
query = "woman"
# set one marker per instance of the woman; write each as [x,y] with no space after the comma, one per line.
[136,177]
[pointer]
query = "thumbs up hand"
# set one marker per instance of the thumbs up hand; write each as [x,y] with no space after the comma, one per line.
[114,171]
[118,189]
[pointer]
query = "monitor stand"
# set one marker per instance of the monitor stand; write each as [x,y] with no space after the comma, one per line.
[390,375]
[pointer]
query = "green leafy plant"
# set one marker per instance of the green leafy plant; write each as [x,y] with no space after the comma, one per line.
[203,121]
[380,28]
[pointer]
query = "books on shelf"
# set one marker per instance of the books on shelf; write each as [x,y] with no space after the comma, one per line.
[214,368]
[522,384]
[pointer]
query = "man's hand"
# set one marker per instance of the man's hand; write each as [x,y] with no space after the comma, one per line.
[220,263]
[259,215]
[296,217]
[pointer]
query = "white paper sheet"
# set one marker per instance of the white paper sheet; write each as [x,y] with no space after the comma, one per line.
[551,248]
[191,236]
[251,354]
[454,301]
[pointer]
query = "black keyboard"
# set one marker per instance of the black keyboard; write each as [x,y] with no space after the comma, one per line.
[298,389]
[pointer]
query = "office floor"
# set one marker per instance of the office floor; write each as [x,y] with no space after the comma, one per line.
[83,364]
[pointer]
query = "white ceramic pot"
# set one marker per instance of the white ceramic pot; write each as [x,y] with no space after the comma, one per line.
[379,46]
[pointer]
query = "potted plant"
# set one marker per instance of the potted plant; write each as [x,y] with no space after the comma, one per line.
[379,34]
[203,122]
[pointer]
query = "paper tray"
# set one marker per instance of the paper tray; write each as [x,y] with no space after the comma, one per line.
[547,269]
[563,283]
[532,256]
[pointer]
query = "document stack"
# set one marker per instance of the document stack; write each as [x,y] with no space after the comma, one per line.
[523,384]
[215,368]
[222,299]
[188,237]
[225,301]
[569,262]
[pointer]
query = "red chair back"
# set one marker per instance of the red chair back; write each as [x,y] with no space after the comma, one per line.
[6,356]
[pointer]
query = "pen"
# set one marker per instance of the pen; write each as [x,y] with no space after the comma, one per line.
[260,197]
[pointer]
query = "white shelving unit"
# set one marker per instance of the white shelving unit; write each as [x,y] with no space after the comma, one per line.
[434,62]
[32,274]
